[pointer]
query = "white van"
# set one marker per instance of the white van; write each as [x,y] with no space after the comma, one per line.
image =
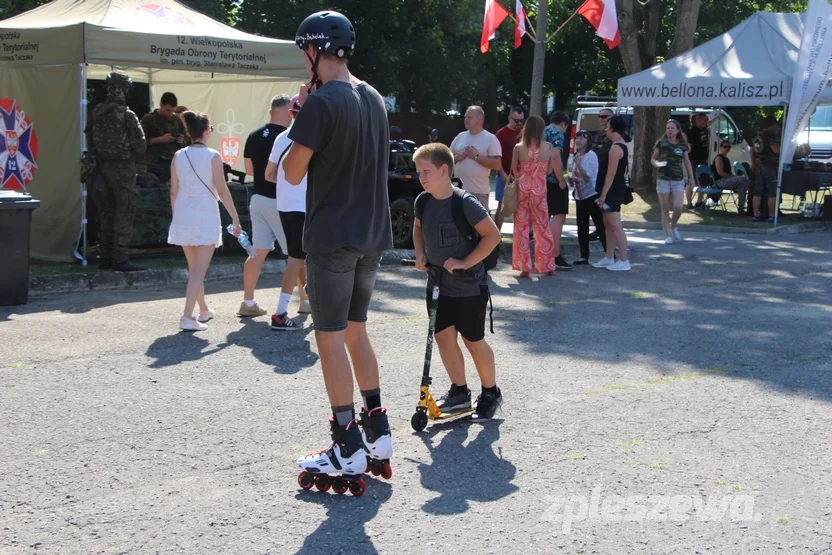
[586,118]
[818,134]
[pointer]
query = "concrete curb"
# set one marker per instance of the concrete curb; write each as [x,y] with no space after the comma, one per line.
[103,281]
[800,228]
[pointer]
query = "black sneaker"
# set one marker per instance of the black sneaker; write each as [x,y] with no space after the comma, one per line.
[487,405]
[455,400]
[283,322]
[562,264]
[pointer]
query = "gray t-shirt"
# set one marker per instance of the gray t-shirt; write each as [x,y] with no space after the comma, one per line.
[443,241]
[346,197]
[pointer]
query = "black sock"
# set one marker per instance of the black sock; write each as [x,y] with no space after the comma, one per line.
[372,398]
[492,390]
[459,388]
[344,414]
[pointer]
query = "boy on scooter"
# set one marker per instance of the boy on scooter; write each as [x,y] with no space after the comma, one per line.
[463,296]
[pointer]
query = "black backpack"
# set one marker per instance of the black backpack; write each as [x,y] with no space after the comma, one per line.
[462,225]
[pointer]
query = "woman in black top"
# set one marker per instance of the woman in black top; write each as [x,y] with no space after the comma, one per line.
[724,178]
[611,197]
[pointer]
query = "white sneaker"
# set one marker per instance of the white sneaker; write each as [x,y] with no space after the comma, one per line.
[604,263]
[620,266]
[668,240]
[189,324]
[676,234]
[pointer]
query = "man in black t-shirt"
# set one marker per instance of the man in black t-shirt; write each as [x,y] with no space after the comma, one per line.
[698,137]
[265,220]
[341,136]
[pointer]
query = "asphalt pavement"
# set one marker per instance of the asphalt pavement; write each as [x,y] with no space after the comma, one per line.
[682,407]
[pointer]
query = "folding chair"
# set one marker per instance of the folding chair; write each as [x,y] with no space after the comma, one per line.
[705,180]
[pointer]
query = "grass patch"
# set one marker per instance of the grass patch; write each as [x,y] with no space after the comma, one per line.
[637,294]
[657,466]
[632,443]
[168,259]
[733,485]
[781,519]
[801,357]
[663,380]
[577,456]
[41,452]
[646,209]
[18,365]
[674,378]
[716,370]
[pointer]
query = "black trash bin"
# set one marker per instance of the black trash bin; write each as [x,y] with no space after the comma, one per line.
[15,216]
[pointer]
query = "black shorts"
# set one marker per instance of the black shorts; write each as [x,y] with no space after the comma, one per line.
[467,314]
[293,229]
[557,199]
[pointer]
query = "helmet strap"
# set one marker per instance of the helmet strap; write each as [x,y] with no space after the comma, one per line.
[314,65]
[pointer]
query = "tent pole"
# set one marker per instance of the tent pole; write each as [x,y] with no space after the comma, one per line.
[83,150]
[780,166]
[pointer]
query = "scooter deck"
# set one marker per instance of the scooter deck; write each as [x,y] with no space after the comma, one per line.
[449,415]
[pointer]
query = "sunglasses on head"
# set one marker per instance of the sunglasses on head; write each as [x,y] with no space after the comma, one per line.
[673,121]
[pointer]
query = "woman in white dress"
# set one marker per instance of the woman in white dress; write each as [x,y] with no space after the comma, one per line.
[197,182]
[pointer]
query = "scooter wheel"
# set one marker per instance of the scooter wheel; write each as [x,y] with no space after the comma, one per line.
[419,421]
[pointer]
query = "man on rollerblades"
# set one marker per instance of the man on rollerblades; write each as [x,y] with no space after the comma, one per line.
[341,137]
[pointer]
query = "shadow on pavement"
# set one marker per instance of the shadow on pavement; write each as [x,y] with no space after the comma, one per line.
[288,352]
[180,347]
[343,530]
[464,473]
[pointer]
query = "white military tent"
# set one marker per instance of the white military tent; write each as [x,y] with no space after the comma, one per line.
[752,64]
[47,54]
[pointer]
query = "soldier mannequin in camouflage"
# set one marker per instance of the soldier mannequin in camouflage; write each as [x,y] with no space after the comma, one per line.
[166,133]
[114,139]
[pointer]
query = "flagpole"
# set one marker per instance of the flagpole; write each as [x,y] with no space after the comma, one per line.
[563,25]
[529,28]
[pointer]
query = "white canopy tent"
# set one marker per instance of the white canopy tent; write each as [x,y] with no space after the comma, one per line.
[47,55]
[752,64]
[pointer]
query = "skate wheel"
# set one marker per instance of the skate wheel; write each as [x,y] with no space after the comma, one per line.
[386,471]
[358,487]
[374,471]
[340,487]
[419,421]
[322,483]
[305,481]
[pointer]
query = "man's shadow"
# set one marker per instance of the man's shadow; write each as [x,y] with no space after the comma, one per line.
[343,529]
[179,347]
[287,352]
[462,473]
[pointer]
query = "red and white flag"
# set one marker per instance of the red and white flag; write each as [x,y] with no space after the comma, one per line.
[520,26]
[601,14]
[495,14]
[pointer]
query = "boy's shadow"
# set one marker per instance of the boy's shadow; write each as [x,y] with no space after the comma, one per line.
[180,347]
[343,530]
[462,473]
[288,352]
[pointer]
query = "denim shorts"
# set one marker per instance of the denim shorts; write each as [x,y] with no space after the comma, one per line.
[499,188]
[340,285]
[666,186]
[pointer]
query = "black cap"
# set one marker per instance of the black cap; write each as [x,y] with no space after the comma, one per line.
[329,32]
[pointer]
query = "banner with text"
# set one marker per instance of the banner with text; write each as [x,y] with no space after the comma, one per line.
[811,78]
[705,92]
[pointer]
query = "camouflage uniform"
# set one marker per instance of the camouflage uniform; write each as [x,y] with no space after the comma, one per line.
[601,146]
[767,162]
[115,137]
[160,155]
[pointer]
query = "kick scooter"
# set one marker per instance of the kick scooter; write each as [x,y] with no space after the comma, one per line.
[426,409]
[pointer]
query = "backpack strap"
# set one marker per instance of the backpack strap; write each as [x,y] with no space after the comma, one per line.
[419,205]
[458,211]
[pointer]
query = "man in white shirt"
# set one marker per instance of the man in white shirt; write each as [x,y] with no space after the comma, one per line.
[476,153]
[291,205]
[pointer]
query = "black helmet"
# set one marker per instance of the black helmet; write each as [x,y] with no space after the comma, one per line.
[329,32]
[119,79]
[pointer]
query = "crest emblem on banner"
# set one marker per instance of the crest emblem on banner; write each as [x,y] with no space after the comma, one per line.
[230,145]
[18,146]
[230,150]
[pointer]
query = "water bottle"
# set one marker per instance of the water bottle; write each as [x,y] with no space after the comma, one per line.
[605,208]
[243,239]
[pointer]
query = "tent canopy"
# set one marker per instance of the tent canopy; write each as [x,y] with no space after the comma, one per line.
[47,54]
[157,34]
[752,64]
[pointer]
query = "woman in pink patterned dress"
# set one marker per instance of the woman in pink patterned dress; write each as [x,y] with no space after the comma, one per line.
[530,164]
